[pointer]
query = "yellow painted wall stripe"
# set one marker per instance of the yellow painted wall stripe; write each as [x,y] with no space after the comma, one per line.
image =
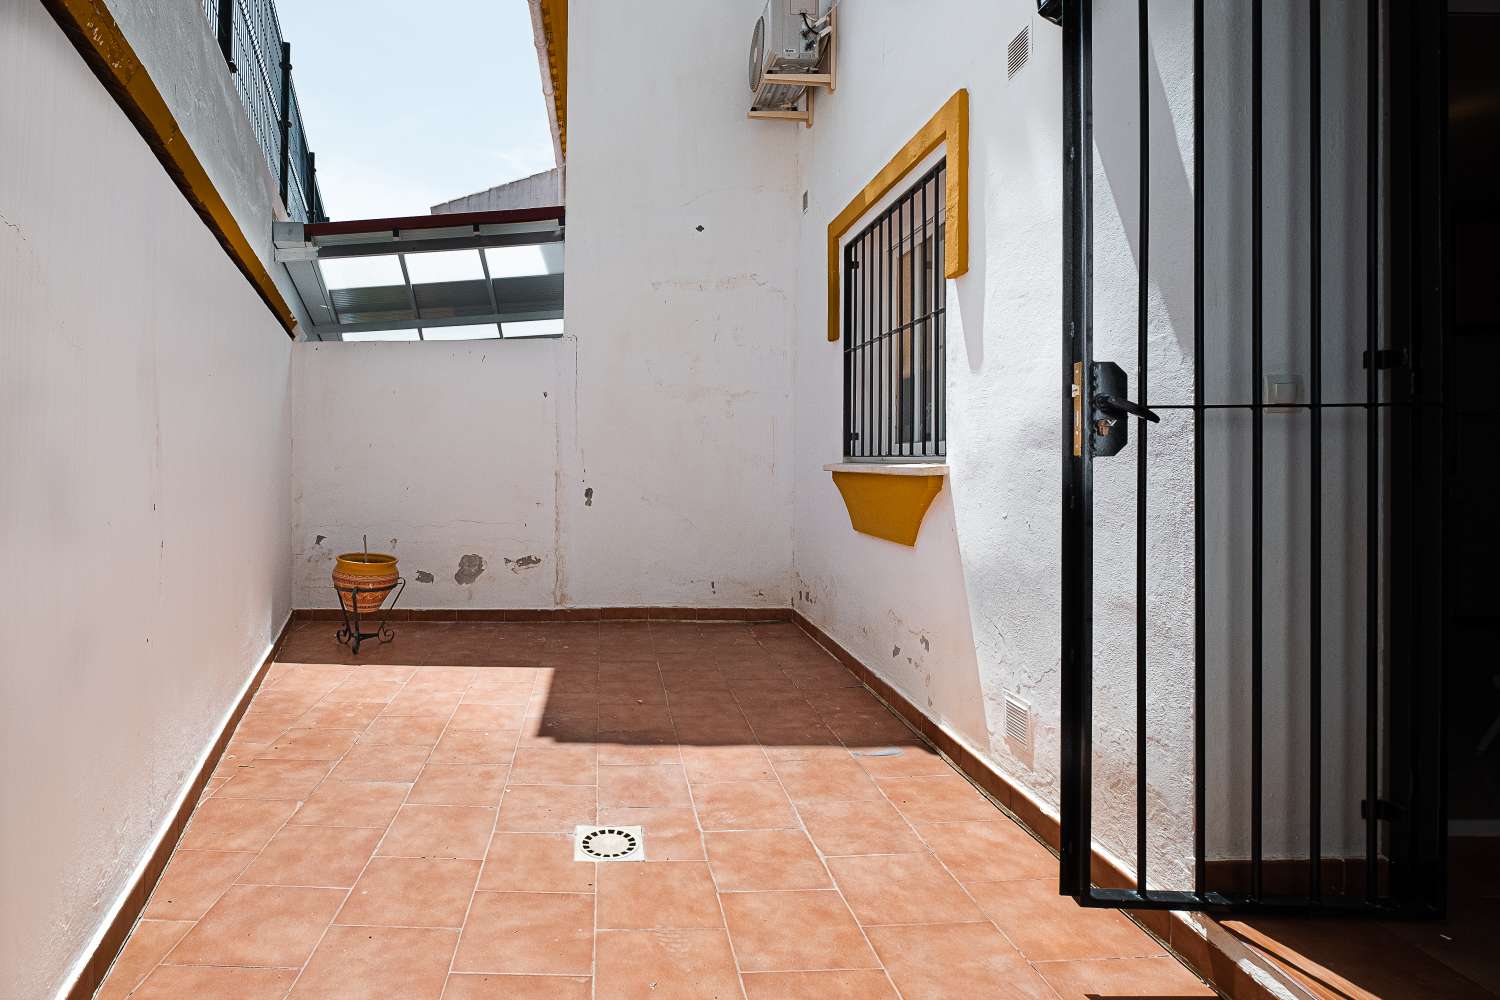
[555,30]
[951,126]
[98,38]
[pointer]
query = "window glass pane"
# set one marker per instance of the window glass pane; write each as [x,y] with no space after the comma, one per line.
[516,262]
[445,265]
[488,331]
[369,335]
[534,328]
[361,272]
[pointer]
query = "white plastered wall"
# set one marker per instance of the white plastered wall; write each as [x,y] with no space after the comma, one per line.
[973,611]
[443,453]
[659,469]
[145,449]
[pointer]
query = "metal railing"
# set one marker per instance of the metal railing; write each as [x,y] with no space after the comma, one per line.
[249,34]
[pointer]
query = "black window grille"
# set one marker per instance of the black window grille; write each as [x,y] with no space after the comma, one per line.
[894,329]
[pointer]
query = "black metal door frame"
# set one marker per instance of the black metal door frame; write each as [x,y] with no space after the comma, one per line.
[1404,869]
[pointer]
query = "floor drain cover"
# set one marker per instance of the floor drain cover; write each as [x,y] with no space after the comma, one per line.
[609,843]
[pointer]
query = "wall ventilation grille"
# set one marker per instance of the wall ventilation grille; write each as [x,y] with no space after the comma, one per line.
[1018,722]
[1017,52]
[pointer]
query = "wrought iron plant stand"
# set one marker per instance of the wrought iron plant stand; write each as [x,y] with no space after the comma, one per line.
[352,633]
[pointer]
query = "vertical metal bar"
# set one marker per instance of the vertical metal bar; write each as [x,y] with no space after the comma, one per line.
[940,281]
[934,290]
[902,311]
[286,120]
[1076,746]
[311,183]
[898,335]
[1143,269]
[866,381]
[850,346]
[877,289]
[1200,698]
[1372,450]
[866,268]
[411,294]
[226,32]
[861,391]
[897,402]
[888,402]
[856,397]
[1257,449]
[920,303]
[489,288]
[1315,412]
[932,276]
[909,332]
[862,309]
[877,395]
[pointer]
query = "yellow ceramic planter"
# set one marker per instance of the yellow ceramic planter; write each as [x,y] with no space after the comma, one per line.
[374,573]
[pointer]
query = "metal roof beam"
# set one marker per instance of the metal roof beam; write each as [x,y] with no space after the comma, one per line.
[290,252]
[335,331]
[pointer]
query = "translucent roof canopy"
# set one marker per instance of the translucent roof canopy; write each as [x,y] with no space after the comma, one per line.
[463,276]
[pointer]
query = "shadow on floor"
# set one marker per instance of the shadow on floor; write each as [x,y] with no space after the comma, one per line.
[1453,958]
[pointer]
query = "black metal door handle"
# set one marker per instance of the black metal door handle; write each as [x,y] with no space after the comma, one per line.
[1109,431]
[1121,406]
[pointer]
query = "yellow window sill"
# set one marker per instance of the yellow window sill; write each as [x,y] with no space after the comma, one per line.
[888,500]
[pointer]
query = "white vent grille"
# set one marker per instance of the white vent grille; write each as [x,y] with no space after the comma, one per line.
[1018,723]
[1017,52]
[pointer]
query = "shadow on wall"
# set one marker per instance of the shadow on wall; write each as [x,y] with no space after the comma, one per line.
[1117,144]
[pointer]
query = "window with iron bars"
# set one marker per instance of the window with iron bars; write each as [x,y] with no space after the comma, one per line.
[894,330]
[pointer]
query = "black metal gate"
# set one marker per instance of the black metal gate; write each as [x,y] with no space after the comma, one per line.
[1305,696]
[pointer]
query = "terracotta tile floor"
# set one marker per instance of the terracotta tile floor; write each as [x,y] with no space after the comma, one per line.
[400,827]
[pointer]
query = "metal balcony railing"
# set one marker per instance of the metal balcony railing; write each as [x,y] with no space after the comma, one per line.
[249,34]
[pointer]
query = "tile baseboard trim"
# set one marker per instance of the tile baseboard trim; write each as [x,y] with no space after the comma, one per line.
[1213,953]
[609,614]
[91,970]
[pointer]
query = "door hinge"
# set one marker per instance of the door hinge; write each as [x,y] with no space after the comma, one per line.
[1385,810]
[1077,392]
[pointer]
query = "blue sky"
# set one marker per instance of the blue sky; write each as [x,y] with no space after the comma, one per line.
[409,104]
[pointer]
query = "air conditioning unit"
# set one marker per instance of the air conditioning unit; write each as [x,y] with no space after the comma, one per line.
[789,38]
